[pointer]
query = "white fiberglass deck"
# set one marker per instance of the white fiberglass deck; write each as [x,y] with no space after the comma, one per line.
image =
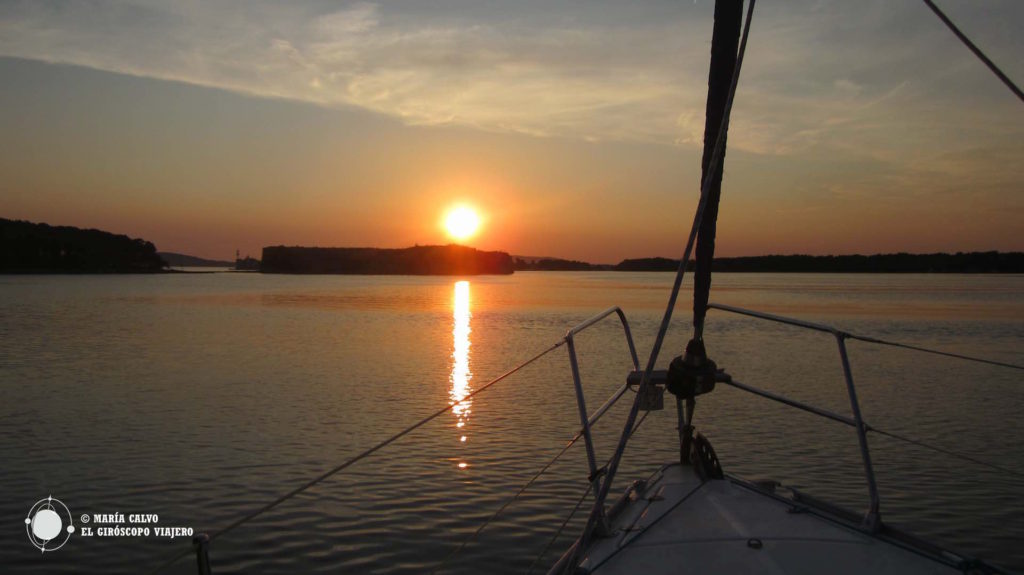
[679,524]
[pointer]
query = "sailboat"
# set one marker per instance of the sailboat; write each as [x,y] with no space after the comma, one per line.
[690,515]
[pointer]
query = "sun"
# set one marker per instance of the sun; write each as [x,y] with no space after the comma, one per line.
[461,223]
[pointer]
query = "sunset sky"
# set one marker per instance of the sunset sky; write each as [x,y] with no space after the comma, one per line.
[573,128]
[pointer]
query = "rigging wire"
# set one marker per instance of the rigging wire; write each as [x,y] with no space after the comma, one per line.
[551,542]
[845,334]
[867,426]
[505,505]
[252,515]
[680,272]
[924,445]
[974,48]
[579,503]
[522,490]
[933,351]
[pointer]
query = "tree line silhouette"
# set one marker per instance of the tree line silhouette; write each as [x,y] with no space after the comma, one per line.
[28,247]
[960,262]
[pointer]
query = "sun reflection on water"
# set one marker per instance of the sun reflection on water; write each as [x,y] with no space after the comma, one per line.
[461,375]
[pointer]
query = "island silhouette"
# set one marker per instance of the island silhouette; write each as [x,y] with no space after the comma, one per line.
[451,259]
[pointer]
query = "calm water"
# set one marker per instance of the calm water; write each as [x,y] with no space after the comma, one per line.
[201,397]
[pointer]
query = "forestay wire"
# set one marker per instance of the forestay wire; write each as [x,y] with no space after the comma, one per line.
[659,340]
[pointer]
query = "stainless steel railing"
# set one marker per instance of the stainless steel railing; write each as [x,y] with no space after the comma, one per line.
[585,420]
[872,519]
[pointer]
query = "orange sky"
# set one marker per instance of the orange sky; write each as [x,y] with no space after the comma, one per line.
[857,129]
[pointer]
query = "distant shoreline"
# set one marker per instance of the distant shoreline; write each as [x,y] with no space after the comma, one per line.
[30,248]
[961,263]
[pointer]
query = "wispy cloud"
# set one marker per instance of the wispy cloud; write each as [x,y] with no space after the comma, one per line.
[835,74]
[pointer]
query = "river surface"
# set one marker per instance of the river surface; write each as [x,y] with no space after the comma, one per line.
[200,397]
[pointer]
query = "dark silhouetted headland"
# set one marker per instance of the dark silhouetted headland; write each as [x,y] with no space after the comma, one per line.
[419,260]
[26,247]
[187,261]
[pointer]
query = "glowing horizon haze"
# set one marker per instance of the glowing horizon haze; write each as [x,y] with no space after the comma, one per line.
[573,128]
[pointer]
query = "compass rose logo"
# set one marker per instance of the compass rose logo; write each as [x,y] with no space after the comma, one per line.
[45,524]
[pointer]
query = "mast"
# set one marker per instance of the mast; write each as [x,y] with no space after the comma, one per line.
[692,373]
[724,45]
